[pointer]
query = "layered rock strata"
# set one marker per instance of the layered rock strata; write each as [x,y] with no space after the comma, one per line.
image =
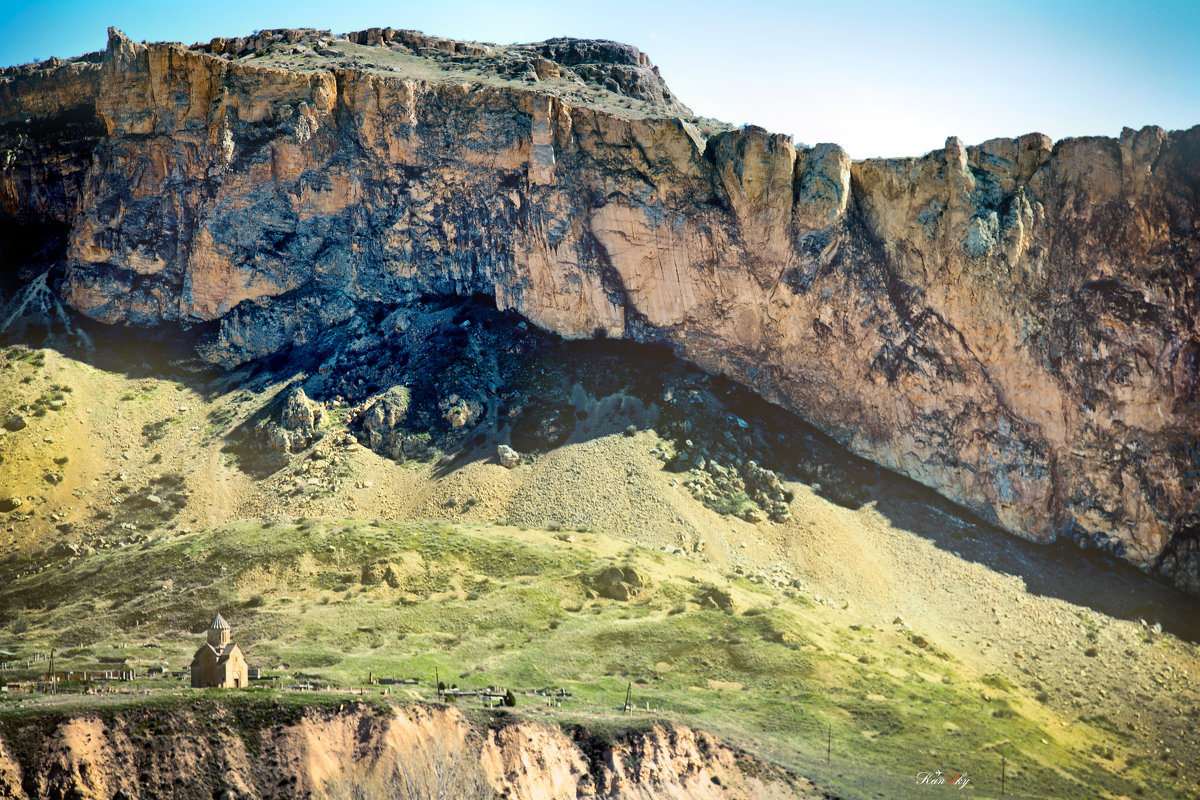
[207,749]
[1012,324]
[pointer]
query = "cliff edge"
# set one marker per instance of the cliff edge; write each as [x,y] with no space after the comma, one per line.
[1012,324]
[259,748]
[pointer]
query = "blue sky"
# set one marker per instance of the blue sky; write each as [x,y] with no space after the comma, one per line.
[879,78]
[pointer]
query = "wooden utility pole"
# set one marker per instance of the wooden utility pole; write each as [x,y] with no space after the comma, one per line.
[829,743]
[53,685]
[629,698]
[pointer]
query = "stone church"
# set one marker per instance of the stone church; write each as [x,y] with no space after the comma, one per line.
[219,663]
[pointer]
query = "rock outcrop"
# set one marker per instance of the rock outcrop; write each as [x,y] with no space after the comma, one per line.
[1014,324]
[291,427]
[207,749]
[381,422]
[48,130]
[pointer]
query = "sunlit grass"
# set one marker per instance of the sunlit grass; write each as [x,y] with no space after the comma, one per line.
[340,600]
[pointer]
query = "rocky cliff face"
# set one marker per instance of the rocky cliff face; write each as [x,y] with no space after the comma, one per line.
[1012,324]
[48,129]
[251,749]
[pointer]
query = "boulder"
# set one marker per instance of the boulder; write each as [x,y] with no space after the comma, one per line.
[395,574]
[295,427]
[507,456]
[720,599]
[382,572]
[460,412]
[299,413]
[382,422]
[619,583]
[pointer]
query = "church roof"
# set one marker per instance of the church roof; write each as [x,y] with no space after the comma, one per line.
[218,623]
[219,654]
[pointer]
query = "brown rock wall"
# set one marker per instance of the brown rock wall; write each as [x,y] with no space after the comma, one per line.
[1013,324]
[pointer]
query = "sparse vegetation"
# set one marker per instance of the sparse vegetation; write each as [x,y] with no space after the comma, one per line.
[458,598]
[435,771]
[154,431]
[750,653]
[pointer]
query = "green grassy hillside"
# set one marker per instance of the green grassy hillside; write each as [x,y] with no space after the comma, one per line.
[761,665]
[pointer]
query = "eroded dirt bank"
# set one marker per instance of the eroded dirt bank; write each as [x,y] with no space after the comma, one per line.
[209,748]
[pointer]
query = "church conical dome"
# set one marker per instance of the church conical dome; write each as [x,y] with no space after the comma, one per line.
[218,632]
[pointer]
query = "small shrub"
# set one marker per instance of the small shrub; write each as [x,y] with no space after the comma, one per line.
[153,431]
[996,682]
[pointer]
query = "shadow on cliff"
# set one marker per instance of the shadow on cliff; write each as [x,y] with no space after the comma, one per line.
[728,442]
[724,434]
[591,389]
[1060,570]
[511,384]
[33,316]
